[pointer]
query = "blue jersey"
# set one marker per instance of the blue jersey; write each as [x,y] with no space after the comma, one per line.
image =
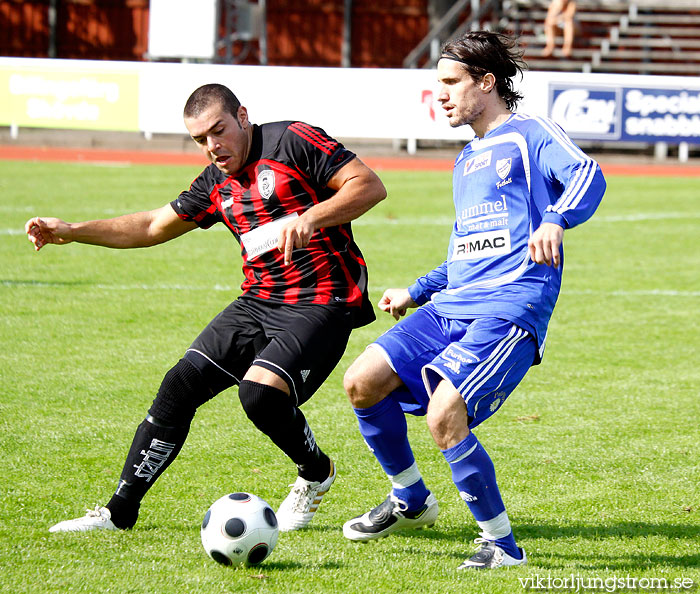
[521,174]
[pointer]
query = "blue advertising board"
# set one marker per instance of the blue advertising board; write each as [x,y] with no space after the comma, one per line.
[626,113]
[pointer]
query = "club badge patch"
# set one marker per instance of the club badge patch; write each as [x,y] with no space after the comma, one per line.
[266,183]
[503,167]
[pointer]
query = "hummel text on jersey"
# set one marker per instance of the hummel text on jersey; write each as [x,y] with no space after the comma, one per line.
[481,245]
[483,210]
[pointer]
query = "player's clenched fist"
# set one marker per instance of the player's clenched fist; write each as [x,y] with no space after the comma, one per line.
[41,231]
[544,244]
[396,302]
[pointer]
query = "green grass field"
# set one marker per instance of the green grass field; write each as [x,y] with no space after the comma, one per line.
[596,452]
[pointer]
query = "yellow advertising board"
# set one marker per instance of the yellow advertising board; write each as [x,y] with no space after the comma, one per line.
[71,98]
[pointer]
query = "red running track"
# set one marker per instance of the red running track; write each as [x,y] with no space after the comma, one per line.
[89,155]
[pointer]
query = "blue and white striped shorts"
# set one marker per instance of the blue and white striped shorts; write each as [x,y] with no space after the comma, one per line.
[484,359]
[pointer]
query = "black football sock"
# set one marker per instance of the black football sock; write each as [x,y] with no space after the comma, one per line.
[152,450]
[273,413]
[319,471]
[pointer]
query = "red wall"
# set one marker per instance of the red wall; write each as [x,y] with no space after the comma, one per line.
[299,32]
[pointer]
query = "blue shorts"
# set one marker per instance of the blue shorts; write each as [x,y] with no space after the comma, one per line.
[484,359]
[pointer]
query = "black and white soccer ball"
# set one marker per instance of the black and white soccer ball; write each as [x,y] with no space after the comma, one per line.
[239,528]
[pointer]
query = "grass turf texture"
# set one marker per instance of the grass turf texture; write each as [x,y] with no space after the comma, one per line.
[596,452]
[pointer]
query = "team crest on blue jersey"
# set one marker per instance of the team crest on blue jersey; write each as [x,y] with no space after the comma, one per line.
[266,183]
[503,167]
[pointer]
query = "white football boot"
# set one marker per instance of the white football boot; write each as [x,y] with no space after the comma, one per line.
[99,518]
[389,516]
[302,502]
[491,556]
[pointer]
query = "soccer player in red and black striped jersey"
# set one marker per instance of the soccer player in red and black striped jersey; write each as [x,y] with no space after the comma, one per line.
[287,192]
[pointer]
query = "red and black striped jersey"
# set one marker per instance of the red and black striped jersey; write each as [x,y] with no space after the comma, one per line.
[287,172]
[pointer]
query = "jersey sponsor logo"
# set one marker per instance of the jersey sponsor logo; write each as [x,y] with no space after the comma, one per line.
[266,183]
[458,356]
[478,162]
[483,210]
[265,238]
[481,245]
[453,365]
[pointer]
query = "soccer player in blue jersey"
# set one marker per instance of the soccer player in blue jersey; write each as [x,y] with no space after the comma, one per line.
[483,313]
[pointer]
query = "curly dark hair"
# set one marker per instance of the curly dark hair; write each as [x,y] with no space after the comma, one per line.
[207,95]
[481,52]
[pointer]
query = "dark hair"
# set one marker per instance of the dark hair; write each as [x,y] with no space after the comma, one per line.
[481,52]
[207,95]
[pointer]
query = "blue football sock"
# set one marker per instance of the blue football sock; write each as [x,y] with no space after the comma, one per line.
[475,477]
[384,429]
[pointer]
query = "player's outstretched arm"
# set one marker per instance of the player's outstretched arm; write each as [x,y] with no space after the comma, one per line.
[396,302]
[140,229]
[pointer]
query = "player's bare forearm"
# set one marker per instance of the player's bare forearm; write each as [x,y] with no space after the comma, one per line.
[141,229]
[358,189]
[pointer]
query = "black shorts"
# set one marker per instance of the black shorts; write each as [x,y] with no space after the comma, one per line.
[300,343]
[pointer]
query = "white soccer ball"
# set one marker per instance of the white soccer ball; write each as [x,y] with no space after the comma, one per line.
[239,528]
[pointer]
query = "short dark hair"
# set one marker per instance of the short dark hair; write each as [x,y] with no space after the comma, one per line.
[208,95]
[481,52]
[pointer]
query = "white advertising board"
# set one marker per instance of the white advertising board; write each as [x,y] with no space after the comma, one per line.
[350,102]
[346,102]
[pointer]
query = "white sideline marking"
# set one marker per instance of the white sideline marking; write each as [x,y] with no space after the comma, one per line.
[104,287]
[449,221]
[227,288]
[640,293]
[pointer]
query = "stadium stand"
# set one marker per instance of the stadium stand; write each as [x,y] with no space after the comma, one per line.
[620,36]
[638,37]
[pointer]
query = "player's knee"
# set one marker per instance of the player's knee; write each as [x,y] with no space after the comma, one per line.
[436,421]
[447,418]
[181,392]
[356,385]
[368,380]
[260,402]
[217,380]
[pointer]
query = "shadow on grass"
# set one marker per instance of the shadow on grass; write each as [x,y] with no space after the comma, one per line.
[456,543]
[288,565]
[595,556]
[612,530]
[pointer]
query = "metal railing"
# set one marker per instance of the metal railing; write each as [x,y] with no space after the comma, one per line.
[427,51]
